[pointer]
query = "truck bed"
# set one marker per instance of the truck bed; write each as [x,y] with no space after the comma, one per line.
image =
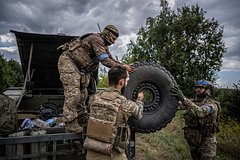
[41,144]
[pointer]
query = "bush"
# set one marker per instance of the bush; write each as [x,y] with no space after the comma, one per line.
[11,73]
[230,102]
[228,139]
[170,144]
[103,83]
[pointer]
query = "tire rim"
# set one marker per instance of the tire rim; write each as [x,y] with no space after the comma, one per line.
[152,96]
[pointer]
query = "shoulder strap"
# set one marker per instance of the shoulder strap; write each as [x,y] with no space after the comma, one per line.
[109,95]
[85,35]
[78,39]
[219,109]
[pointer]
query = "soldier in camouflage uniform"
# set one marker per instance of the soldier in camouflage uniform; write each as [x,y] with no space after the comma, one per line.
[201,120]
[76,64]
[107,130]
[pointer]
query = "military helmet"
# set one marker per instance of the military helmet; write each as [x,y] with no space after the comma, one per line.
[109,33]
[112,29]
[204,83]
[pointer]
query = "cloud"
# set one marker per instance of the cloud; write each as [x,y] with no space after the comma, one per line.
[41,16]
[228,78]
[74,17]
[120,48]
[7,40]
[9,49]
[77,17]
[10,54]
[231,64]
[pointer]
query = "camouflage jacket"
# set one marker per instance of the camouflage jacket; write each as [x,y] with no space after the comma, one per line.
[127,108]
[95,47]
[202,114]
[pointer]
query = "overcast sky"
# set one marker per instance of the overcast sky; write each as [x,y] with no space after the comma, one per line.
[77,17]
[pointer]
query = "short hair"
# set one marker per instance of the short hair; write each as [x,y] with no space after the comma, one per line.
[115,74]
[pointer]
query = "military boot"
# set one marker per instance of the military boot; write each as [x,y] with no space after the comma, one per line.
[73,127]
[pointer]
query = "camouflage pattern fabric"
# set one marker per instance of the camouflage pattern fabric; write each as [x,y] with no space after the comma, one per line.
[206,151]
[104,108]
[70,78]
[94,46]
[71,67]
[8,115]
[91,155]
[128,108]
[125,108]
[199,130]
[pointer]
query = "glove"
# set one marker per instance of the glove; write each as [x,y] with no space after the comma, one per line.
[129,68]
[177,92]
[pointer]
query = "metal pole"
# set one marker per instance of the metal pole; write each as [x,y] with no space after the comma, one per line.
[27,76]
[132,146]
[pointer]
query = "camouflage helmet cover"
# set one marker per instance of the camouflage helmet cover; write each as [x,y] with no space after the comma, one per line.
[110,30]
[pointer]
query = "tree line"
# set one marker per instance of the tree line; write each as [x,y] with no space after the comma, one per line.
[190,46]
[11,73]
[186,43]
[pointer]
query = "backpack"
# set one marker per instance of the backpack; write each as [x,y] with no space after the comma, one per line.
[216,123]
[76,51]
[49,110]
[8,115]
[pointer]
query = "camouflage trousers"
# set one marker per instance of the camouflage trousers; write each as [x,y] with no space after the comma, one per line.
[206,150]
[91,155]
[74,85]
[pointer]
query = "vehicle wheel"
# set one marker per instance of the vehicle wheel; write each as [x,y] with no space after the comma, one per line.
[159,105]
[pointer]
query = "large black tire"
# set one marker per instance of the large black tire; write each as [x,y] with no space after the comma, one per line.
[159,105]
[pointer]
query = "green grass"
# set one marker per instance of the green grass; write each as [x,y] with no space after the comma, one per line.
[169,143]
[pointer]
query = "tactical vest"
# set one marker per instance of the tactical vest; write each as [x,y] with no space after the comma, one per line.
[107,128]
[8,115]
[78,54]
[198,128]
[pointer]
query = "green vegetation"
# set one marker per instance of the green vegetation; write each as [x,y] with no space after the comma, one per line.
[230,101]
[103,83]
[186,43]
[229,140]
[169,143]
[11,73]
[191,47]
